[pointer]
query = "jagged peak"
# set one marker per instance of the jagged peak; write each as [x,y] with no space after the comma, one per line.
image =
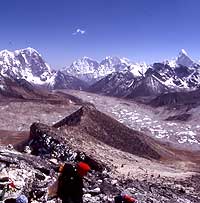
[183,52]
[29,49]
[184,59]
[5,51]
[18,51]
[111,58]
[84,58]
[125,60]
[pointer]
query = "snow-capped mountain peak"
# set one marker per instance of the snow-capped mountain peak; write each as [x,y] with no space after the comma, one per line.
[125,61]
[183,52]
[85,64]
[138,69]
[83,68]
[91,70]
[27,50]
[110,61]
[181,73]
[5,52]
[6,56]
[24,64]
[183,59]
[84,60]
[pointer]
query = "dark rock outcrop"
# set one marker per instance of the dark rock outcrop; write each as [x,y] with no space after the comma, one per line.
[65,81]
[49,142]
[119,84]
[180,117]
[177,99]
[45,141]
[99,186]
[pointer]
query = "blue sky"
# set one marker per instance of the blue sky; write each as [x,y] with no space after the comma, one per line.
[64,30]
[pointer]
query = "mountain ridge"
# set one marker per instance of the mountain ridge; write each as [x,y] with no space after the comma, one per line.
[124,78]
[179,75]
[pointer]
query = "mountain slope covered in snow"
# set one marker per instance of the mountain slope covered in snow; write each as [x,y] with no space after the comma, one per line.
[112,76]
[25,64]
[91,70]
[28,65]
[181,74]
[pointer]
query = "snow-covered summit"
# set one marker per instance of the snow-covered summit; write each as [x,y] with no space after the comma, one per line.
[183,59]
[28,65]
[91,70]
[85,64]
[181,73]
[84,68]
[25,64]
[27,50]
[183,52]
[138,69]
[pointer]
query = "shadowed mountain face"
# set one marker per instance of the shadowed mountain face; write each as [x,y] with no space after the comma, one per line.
[116,84]
[18,88]
[148,86]
[92,123]
[64,81]
[125,84]
[178,99]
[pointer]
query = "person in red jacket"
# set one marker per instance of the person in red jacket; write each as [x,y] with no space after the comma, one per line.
[124,199]
[70,182]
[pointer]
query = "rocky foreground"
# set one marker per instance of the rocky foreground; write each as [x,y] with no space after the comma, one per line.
[32,167]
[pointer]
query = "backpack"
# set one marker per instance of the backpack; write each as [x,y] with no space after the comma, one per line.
[69,183]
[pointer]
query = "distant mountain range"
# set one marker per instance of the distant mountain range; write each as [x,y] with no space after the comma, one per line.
[91,71]
[112,76]
[179,75]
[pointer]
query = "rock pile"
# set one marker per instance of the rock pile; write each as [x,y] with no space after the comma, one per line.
[32,170]
[31,176]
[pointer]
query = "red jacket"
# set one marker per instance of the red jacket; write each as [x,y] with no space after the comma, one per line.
[128,199]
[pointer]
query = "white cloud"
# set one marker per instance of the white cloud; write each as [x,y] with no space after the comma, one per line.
[79,31]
